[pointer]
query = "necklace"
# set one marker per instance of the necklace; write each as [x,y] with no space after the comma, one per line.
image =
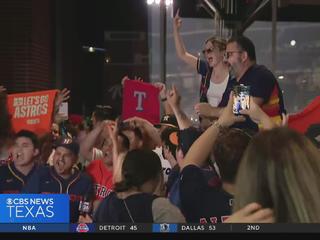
[128,211]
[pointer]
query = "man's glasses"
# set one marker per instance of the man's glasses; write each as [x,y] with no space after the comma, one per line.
[228,54]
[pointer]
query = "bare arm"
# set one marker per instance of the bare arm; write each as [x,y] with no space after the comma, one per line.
[201,148]
[86,146]
[163,98]
[61,97]
[174,99]
[206,110]
[151,136]
[180,48]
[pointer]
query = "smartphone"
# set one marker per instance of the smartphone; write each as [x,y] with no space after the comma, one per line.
[241,99]
[63,110]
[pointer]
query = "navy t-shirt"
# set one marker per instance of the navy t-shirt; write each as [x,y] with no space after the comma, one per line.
[200,202]
[137,206]
[263,85]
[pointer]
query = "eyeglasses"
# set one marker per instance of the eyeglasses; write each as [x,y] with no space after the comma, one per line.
[228,54]
[208,50]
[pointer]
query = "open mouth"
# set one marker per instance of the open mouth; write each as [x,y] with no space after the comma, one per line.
[210,59]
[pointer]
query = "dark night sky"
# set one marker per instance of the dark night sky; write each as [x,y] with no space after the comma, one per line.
[86,74]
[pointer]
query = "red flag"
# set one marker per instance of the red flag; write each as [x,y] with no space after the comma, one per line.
[141,100]
[309,115]
[32,111]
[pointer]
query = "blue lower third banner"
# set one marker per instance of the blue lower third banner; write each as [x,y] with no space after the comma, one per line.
[164,227]
[34,208]
[31,227]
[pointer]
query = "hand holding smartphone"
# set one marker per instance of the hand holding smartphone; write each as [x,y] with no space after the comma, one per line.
[241,98]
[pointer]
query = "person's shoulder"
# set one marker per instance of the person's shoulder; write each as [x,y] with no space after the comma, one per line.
[191,168]
[94,163]
[192,175]
[261,69]
[84,177]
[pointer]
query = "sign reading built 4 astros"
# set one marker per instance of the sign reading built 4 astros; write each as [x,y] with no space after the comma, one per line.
[32,111]
[34,208]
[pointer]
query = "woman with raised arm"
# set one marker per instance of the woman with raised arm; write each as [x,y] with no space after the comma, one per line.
[216,81]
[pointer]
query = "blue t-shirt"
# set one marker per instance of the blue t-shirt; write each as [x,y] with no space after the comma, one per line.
[263,85]
[200,202]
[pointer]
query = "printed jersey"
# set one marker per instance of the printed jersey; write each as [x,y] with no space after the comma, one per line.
[78,186]
[101,177]
[11,179]
[200,202]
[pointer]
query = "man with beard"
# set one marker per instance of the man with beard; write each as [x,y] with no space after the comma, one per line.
[264,87]
[14,175]
[62,177]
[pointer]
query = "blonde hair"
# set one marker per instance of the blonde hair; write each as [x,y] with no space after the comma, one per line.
[281,169]
[220,43]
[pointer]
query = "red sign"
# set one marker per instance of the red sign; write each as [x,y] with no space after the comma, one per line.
[309,115]
[141,100]
[32,111]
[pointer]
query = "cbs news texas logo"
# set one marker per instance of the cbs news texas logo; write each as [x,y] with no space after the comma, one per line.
[34,208]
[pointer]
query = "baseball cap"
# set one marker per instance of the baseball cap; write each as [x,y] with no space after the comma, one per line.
[68,143]
[168,120]
[170,137]
[313,133]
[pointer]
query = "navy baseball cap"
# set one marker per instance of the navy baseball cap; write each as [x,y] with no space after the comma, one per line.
[168,120]
[68,143]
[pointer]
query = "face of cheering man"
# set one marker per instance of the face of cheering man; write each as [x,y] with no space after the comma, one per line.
[63,161]
[234,56]
[24,152]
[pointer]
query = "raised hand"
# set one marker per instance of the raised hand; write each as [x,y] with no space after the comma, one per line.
[127,78]
[140,79]
[173,97]
[162,87]
[227,117]
[254,112]
[258,115]
[124,79]
[62,96]
[177,22]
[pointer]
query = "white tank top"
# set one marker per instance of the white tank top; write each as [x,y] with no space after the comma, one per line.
[215,92]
